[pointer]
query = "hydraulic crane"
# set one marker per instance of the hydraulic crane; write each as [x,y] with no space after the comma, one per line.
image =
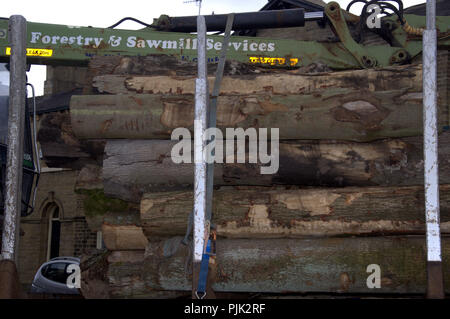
[61,44]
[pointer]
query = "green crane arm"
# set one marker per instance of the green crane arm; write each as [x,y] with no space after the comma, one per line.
[61,44]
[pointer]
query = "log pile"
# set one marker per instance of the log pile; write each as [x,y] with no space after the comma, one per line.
[361,105]
[332,265]
[134,167]
[61,148]
[348,192]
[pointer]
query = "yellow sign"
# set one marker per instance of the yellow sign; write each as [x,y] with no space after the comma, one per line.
[273,61]
[34,52]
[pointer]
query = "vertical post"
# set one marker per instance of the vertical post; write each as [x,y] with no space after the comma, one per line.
[17,91]
[212,112]
[200,123]
[435,284]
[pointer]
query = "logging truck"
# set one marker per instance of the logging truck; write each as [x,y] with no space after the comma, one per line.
[348,192]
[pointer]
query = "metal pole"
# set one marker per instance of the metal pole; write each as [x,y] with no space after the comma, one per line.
[435,284]
[200,123]
[17,91]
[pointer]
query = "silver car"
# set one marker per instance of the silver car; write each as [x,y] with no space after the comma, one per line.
[51,277]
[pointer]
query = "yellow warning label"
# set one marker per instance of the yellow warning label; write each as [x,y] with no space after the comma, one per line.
[274,61]
[34,52]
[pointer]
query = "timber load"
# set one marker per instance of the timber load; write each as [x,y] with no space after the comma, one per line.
[270,266]
[348,191]
[360,105]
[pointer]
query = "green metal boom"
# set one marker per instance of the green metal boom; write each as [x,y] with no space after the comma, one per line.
[61,44]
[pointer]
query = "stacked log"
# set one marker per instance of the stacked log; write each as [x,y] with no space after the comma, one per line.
[348,192]
[361,105]
[134,167]
[277,212]
[328,265]
[61,148]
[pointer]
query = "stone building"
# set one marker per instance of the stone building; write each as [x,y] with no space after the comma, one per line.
[57,227]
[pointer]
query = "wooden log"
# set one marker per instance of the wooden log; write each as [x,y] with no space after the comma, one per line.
[60,147]
[262,212]
[134,167]
[360,105]
[350,115]
[398,77]
[335,265]
[94,279]
[118,221]
[122,231]
[128,237]
[131,288]
[158,64]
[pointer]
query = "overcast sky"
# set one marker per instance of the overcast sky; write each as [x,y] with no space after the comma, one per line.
[103,13]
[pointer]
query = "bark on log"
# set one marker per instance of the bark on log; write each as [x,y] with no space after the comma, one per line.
[94,280]
[119,221]
[60,147]
[361,105]
[134,167]
[158,64]
[284,265]
[398,77]
[95,283]
[346,115]
[259,212]
[103,213]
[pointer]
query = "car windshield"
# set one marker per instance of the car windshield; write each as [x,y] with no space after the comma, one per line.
[56,272]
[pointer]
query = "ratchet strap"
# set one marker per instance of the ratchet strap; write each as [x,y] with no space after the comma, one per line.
[209,250]
[207,258]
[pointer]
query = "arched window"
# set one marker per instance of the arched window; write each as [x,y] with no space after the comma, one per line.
[54,231]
